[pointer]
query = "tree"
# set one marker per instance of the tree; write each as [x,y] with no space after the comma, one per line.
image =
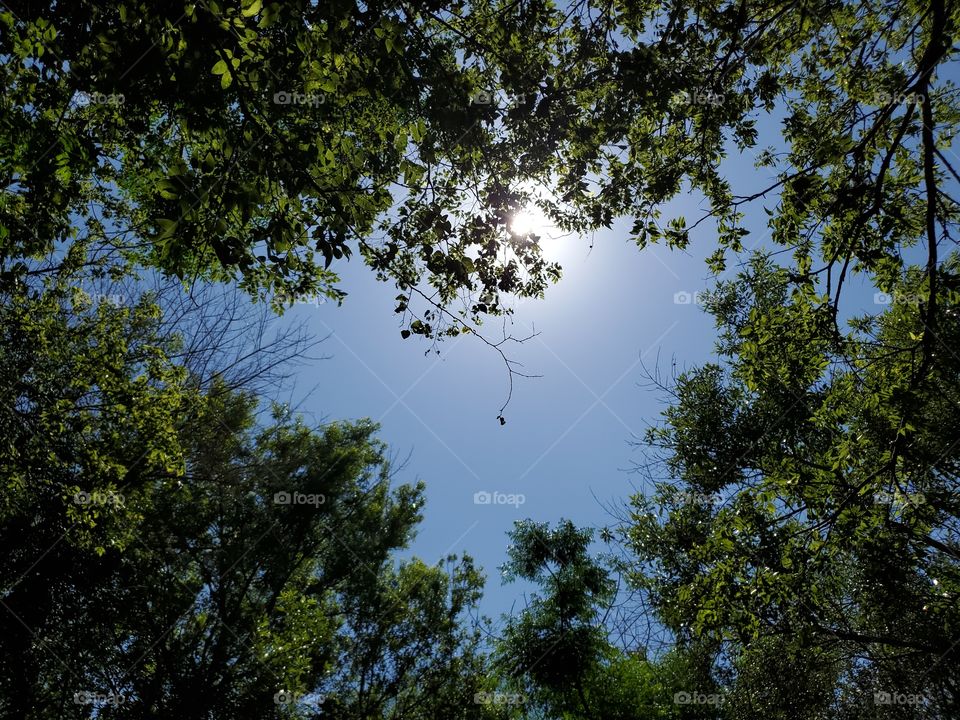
[807,522]
[825,437]
[556,641]
[250,140]
[556,657]
[172,551]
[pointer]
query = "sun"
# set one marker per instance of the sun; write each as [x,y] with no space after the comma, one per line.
[529,220]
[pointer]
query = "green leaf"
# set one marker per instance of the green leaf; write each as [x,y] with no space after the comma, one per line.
[168,189]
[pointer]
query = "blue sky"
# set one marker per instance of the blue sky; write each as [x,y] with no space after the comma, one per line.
[566,444]
[567,433]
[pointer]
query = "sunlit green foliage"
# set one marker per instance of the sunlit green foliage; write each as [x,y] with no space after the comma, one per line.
[171,553]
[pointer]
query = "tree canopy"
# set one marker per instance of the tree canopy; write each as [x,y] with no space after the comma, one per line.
[266,142]
[176,540]
[174,553]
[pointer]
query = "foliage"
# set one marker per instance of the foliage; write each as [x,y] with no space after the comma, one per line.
[170,555]
[811,545]
[556,655]
[266,141]
[815,533]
